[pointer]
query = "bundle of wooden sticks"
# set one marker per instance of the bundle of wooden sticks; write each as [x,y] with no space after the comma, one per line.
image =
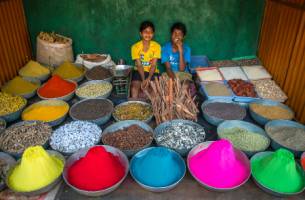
[171,99]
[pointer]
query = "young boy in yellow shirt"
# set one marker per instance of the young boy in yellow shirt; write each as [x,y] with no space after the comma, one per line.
[145,53]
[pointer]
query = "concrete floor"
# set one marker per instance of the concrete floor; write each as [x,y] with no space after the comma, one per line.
[188,189]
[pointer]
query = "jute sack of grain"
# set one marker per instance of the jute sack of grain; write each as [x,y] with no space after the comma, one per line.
[53,54]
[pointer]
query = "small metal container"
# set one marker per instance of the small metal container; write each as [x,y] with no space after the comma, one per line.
[98,121]
[130,102]
[124,124]
[268,190]
[142,153]
[67,97]
[14,115]
[244,125]
[121,70]
[10,161]
[240,155]
[261,119]
[106,95]
[53,102]
[214,120]
[276,145]
[44,189]
[81,153]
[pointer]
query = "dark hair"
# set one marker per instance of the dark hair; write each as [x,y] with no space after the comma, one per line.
[147,24]
[179,26]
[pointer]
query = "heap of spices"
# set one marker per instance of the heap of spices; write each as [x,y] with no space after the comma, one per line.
[75,135]
[268,89]
[230,73]
[271,112]
[68,70]
[19,137]
[226,111]
[45,113]
[242,88]
[216,89]
[98,73]
[133,111]
[180,136]
[248,62]
[91,109]
[219,165]
[94,90]
[160,166]
[19,86]
[33,69]
[10,103]
[256,72]
[290,137]
[129,138]
[52,37]
[278,171]
[245,140]
[56,87]
[223,63]
[36,170]
[209,74]
[97,170]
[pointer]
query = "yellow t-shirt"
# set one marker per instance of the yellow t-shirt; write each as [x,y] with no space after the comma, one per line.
[154,51]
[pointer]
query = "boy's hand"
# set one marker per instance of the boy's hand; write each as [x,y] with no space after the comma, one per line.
[144,84]
[179,44]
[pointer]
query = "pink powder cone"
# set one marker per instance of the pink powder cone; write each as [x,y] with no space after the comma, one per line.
[220,165]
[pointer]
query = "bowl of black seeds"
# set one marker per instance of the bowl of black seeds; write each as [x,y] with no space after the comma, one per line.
[98,111]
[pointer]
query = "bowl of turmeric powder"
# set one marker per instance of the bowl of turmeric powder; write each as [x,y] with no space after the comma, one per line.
[70,71]
[34,70]
[52,112]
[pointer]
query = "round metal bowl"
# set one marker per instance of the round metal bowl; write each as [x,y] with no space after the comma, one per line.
[81,153]
[42,190]
[10,161]
[124,124]
[13,116]
[160,127]
[283,123]
[244,125]
[98,121]
[109,79]
[2,125]
[240,155]
[142,153]
[53,102]
[18,155]
[30,94]
[268,190]
[130,102]
[121,70]
[106,95]
[66,97]
[261,119]
[215,120]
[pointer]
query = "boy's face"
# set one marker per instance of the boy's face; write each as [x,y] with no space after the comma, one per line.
[177,35]
[147,34]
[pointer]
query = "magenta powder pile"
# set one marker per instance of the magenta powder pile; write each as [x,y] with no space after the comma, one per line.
[220,165]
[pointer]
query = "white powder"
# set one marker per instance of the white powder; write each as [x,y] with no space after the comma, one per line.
[209,75]
[230,73]
[256,72]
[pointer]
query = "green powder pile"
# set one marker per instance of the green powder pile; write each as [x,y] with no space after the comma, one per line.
[278,172]
[244,139]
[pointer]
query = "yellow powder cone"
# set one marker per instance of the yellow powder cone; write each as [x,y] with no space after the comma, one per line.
[33,69]
[68,70]
[19,86]
[45,113]
[36,170]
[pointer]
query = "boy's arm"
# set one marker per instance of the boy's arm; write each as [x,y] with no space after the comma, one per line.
[140,68]
[152,68]
[169,71]
[182,63]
